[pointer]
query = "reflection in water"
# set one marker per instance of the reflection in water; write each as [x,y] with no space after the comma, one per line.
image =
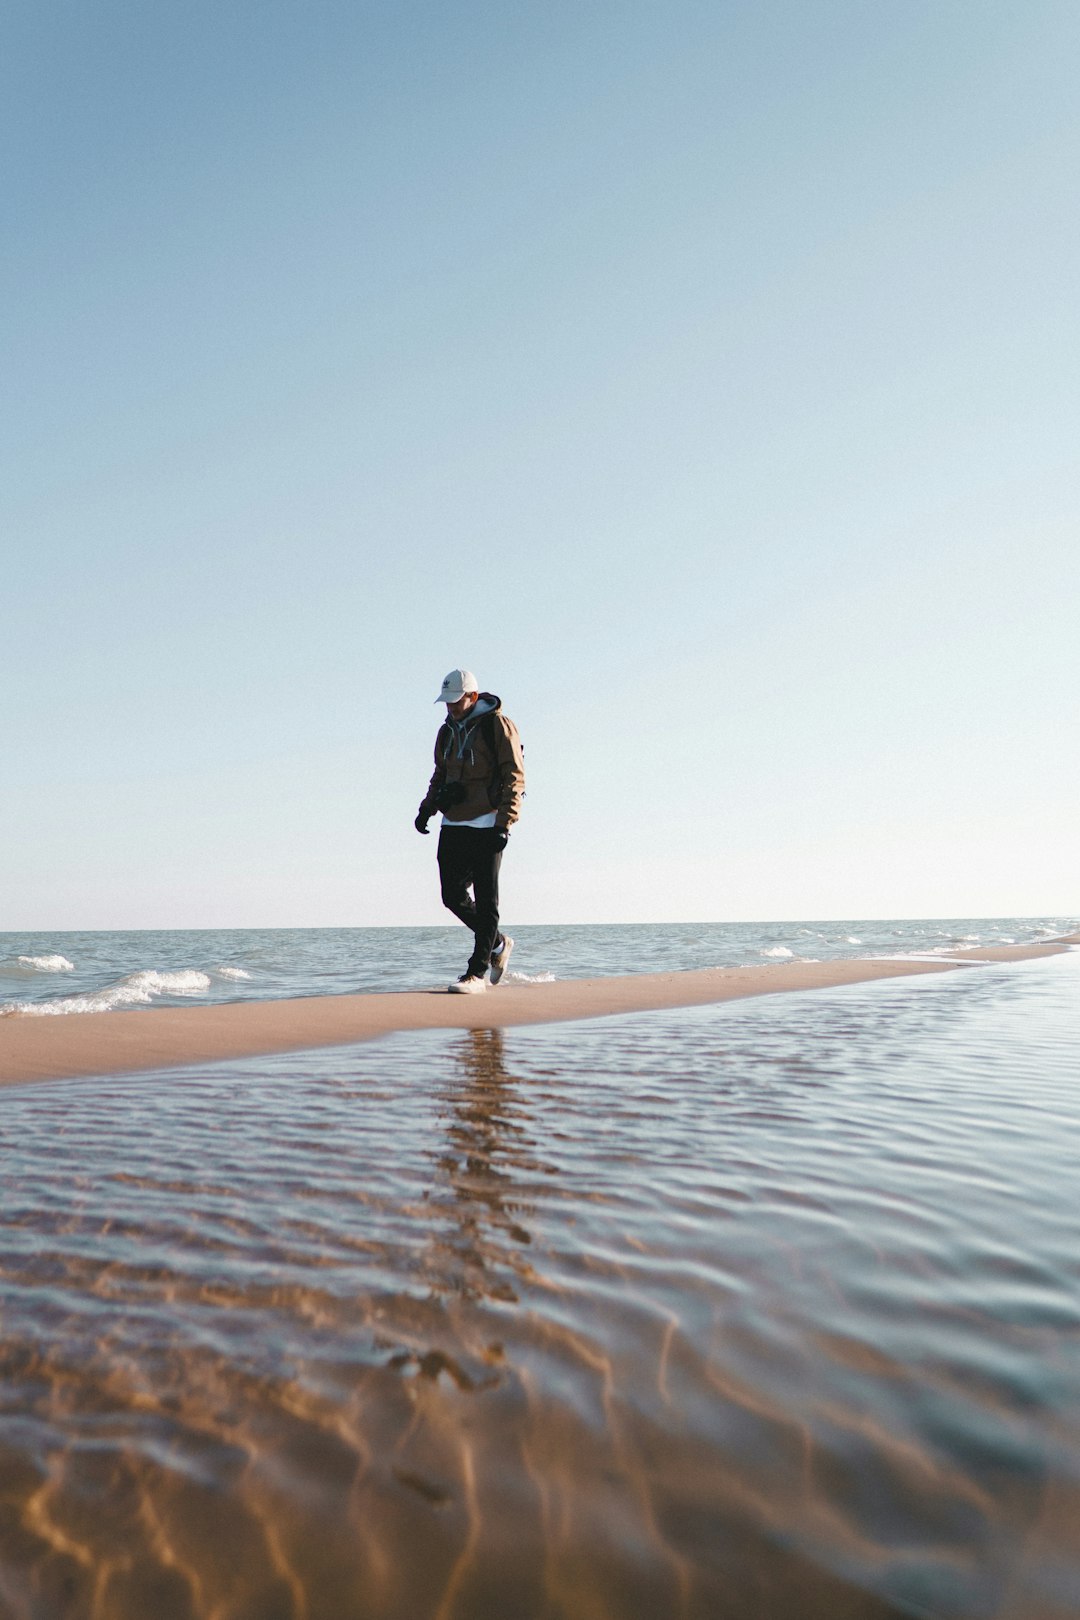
[488,1154]
[757,1312]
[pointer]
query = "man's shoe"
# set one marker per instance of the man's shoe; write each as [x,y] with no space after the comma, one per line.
[499,958]
[470,984]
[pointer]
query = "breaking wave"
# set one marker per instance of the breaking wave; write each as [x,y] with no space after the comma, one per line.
[137,989]
[22,966]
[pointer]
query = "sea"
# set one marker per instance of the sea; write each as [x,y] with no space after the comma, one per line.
[60,972]
[767,1310]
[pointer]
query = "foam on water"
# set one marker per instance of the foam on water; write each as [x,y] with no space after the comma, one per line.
[18,966]
[777,950]
[138,989]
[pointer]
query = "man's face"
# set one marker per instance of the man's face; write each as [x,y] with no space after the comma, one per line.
[462,706]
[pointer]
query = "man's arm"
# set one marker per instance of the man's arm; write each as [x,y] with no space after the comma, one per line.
[511,765]
[427,803]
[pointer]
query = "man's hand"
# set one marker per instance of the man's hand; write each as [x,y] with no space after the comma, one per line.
[499,836]
[421,822]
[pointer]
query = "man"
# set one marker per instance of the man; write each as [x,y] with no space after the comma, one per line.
[478,783]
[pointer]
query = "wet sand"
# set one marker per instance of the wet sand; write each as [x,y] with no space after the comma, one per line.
[764,1312]
[727,1315]
[83,1044]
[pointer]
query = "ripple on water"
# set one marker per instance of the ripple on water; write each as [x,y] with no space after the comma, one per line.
[758,1310]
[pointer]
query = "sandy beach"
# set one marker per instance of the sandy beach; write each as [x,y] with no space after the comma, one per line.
[36,1048]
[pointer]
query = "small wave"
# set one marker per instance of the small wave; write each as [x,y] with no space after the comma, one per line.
[777,950]
[28,967]
[850,939]
[138,989]
[928,953]
[529,978]
[232,973]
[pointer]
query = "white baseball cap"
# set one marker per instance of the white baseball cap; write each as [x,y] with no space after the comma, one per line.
[456,684]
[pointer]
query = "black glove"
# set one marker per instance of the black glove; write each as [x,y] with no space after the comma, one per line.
[499,836]
[421,821]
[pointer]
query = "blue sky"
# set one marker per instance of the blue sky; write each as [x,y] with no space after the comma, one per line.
[704,376]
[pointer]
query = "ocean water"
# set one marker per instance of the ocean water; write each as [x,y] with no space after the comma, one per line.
[101,972]
[764,1310]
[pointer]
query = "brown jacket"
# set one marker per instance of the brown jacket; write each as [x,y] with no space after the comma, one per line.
[489,777]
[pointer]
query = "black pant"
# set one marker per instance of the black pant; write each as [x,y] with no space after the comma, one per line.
[467,856]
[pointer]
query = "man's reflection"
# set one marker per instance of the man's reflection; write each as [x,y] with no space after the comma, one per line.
[484,1171]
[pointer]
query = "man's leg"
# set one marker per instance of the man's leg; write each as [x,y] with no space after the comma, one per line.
[456,873]
[485,874]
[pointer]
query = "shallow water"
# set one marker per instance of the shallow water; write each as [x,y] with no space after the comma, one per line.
[768,1309]
[101,972]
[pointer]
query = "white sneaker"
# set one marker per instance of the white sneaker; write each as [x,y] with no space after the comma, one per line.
[499,958]
[470,984]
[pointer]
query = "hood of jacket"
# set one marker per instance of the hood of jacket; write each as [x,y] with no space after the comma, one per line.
[461,730]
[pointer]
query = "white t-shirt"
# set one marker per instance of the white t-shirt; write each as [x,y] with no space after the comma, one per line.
[480,821]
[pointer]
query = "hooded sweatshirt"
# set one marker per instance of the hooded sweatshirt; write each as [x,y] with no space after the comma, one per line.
[491,778]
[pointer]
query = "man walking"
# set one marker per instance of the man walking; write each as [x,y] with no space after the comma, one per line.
[478,784]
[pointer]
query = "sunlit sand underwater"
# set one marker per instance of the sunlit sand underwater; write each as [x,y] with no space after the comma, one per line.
[769,1309]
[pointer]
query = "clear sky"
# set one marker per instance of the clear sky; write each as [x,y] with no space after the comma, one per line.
[703,375]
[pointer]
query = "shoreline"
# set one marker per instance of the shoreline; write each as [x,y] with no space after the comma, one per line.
[77,1045]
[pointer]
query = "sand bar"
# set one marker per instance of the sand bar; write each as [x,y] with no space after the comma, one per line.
[75,1044]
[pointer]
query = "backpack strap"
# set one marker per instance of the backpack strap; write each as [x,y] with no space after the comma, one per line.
[487,731]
